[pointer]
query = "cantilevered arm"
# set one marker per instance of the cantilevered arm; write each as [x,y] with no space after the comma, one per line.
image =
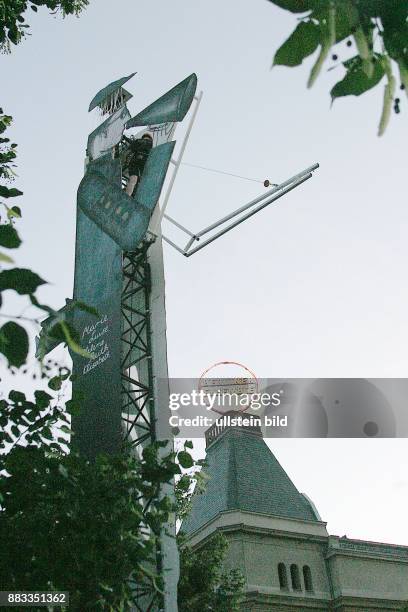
[262,201]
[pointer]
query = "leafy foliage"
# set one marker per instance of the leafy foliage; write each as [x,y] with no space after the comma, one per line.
[378,30]
[9,237]
[13,26]
[68,524]
[303,42]
[204,585]
[24,422]
[21,280]
[14,343]
[356,81]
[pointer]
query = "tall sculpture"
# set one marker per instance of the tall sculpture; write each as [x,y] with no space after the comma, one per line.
[121,381]
[121,377]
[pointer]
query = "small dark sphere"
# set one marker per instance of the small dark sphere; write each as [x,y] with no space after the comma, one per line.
[266,183]
[397,100]
[370,429]
[334,57]
[349,43]
[402,86]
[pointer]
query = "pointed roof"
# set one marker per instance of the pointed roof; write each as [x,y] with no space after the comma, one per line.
[245,475]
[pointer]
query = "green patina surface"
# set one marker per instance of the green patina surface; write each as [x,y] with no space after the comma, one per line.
[107,91]
[123,218]
[172,106]
[98,283]
[245,475]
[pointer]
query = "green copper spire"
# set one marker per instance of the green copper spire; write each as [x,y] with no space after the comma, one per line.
[245,475]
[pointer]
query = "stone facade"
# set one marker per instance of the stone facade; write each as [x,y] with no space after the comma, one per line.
[281,545]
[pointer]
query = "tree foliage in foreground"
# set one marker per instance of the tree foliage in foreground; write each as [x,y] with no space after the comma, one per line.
[13,26]
[204,585]
[70,525]
[67,524]
[375,32]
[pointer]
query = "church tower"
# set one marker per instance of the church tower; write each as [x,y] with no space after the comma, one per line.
[278,540]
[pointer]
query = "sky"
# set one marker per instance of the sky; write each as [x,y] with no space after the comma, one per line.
[310,287]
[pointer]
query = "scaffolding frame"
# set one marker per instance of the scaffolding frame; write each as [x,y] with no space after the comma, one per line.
[138,401]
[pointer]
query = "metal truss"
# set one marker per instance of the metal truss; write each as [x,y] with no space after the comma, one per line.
[138,410]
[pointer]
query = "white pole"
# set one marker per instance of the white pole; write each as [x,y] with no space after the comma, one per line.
[161,391]
[178,162]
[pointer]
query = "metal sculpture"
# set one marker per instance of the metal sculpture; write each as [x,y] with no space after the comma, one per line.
[121,380]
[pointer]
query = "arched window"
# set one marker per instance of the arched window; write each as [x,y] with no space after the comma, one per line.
[283,577]
[295,577]
[307,577]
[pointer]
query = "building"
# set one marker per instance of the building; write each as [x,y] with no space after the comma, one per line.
[278,540]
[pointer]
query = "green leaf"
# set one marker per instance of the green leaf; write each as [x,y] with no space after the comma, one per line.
[17,396]
[392,12]
[345,22]
[6,258]
[395,41]
[297,6]
[82,306]
[185,459]
[66,429]
[73,407]
[301,43]
[356,81]
[14,343]
[6,192]
[42,399]
[14,211]
[69,336]
[21,280]
[9,237]
[46,433]
[188,444]
[184,483]
[55,383]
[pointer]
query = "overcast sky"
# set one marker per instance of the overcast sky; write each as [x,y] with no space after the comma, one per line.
[311,287]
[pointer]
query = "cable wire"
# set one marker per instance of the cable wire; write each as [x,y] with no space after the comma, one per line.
[245,178]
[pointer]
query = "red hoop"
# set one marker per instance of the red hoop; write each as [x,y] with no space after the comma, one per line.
[218,363]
